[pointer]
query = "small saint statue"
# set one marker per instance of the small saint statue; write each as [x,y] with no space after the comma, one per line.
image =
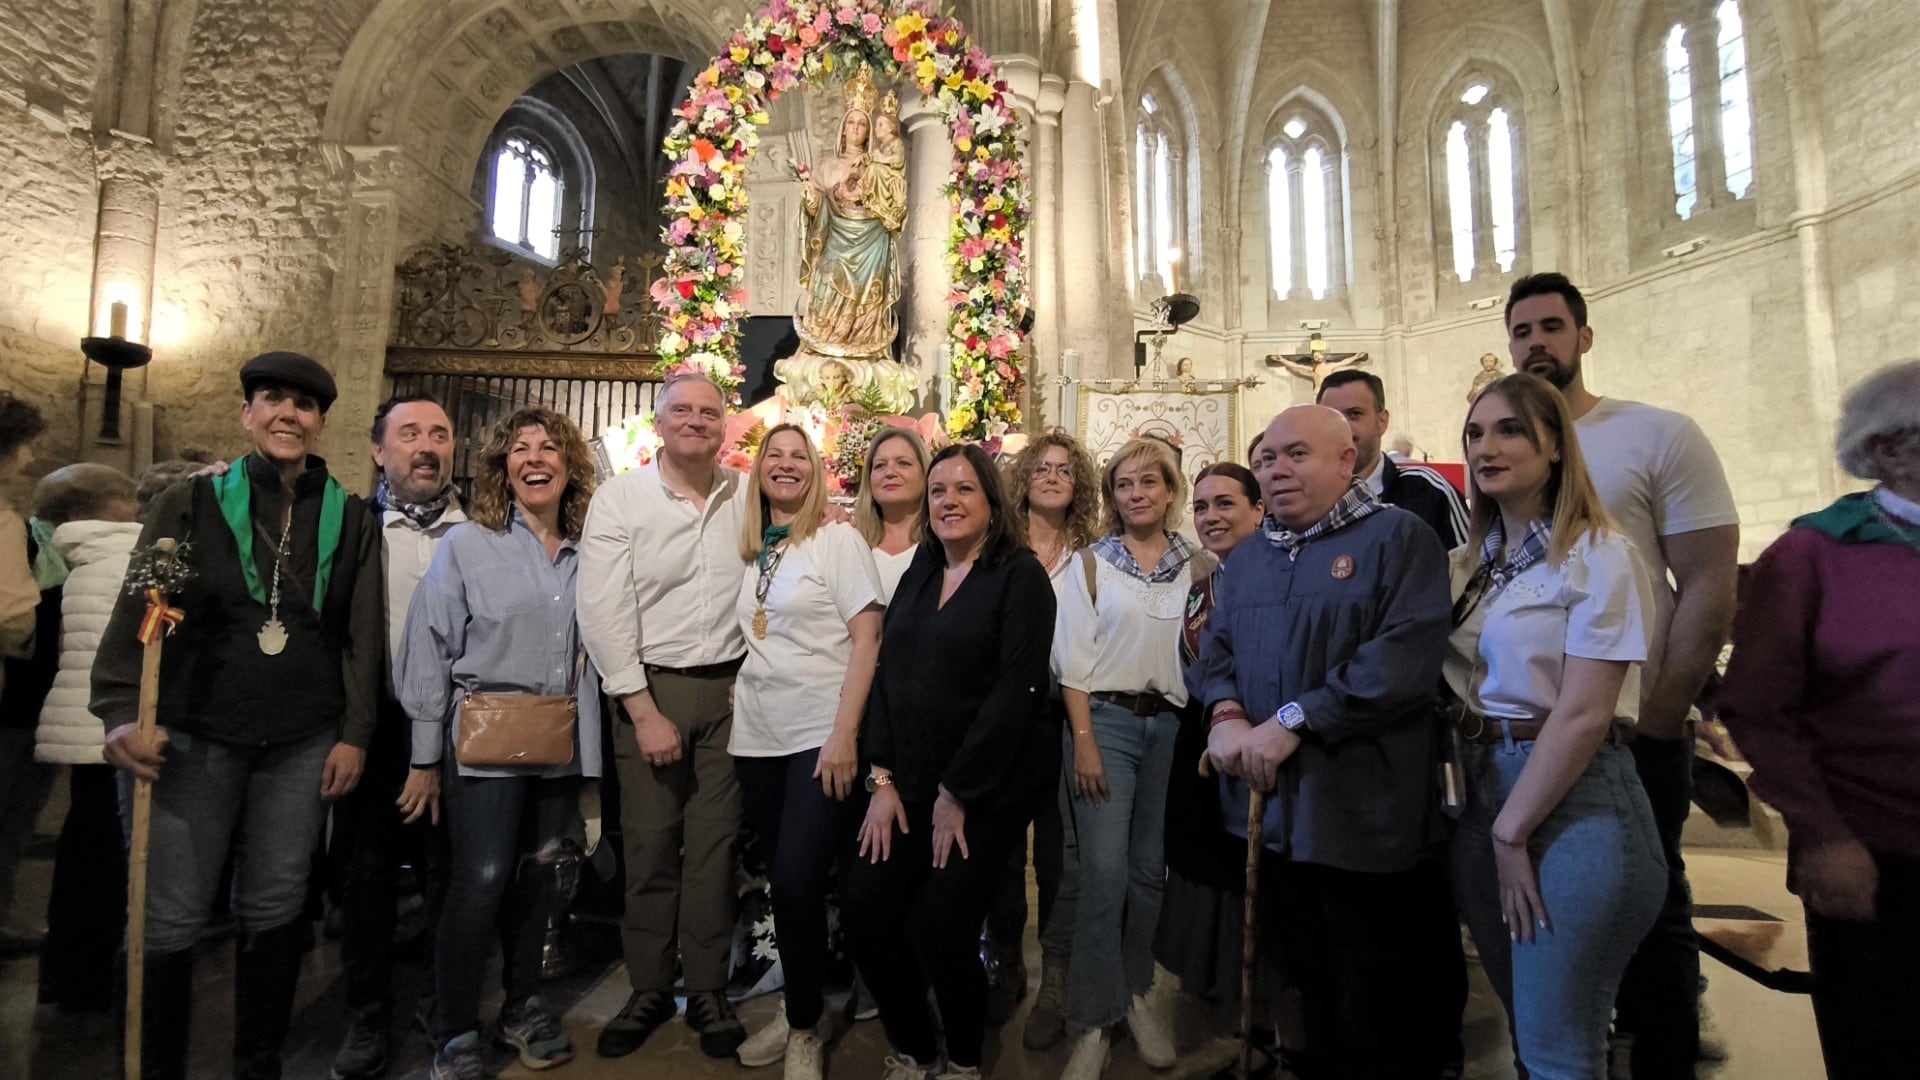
[1488,375]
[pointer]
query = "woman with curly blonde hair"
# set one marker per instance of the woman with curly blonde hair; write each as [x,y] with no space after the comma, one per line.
[495,615]
[1053,487]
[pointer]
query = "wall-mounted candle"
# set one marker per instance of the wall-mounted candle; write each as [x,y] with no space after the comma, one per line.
[117,320]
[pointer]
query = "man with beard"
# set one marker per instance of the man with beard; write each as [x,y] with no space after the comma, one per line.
[1662,483]
[1317,672]
[394,815]
[266,707]
[662,551]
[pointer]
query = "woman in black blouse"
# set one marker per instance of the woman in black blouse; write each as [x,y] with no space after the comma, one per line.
[954,732]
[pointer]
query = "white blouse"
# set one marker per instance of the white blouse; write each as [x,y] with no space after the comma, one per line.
[1129,642]
[892,568]
[1508,658]
[788,692]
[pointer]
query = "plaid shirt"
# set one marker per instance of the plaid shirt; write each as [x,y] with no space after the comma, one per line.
[1358,502]
[1113,550]
[1530,551]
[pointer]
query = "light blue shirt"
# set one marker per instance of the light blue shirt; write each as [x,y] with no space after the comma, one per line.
[494,615]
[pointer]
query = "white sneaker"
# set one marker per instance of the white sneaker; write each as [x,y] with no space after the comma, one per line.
[959,1072]
[804,1055]
[1090,1056]
[768,1045]
[1152,1029]
[902,1067]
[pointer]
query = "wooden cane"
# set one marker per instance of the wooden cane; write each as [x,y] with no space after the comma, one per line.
[1250,928]
[137,852]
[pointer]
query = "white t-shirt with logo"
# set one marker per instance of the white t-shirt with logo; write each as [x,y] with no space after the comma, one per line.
[1657,476]
[788,692]
[1508,658]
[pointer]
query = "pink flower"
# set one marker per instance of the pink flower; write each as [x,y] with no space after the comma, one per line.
[870,23]
[848,17]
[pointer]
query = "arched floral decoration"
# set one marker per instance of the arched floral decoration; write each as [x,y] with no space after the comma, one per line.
[702,290]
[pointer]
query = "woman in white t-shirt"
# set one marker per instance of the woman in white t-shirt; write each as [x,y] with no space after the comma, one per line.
[1053,486]
[1557,865]
[891,509]
[810,604]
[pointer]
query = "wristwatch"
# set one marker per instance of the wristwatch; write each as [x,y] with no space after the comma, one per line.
[876,781]
[1292,717]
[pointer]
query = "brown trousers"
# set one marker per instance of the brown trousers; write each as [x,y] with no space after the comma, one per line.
[680,822]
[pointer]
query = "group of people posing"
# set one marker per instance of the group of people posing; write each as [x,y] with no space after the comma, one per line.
[1447,715]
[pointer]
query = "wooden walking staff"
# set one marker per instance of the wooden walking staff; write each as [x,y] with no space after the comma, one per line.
[1244,1069]
[155,572]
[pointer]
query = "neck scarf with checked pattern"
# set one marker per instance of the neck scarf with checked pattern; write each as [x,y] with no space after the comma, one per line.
[1530,550]
[1358,502]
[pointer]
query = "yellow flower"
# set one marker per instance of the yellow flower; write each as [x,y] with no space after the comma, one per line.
[738,53]
[919,50]
[994,202]
[963,145]
[980,90]
[911,23]
[924,70]
[955,81]
[694,213]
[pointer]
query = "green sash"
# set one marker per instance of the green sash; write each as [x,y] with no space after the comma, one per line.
[235,494]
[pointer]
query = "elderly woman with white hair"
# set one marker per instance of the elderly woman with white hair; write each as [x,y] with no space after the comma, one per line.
[1823,696]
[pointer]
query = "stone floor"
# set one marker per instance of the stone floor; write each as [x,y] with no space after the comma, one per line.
[1771,1034]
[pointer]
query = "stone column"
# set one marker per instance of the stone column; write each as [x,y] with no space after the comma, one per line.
[1043,258]
[363,304]
[924,241]
[1083,232]
[129,168]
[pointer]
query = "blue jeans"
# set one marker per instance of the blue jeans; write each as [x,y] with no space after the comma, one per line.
[1601,875]
[1123,866]
[1660,995]
[206,789]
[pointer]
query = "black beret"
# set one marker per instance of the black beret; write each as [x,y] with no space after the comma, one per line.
[289,369]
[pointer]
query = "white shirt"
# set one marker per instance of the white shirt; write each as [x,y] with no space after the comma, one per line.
[789,688]
[1377,479]
[1131,644]
[892,568]
[408,550]
[1508,658]
[1657,476]
[659,577]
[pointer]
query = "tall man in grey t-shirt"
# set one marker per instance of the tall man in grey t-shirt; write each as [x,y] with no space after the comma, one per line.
[1662,483]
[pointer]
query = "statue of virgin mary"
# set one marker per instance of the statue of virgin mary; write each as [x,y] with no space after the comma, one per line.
[855,205]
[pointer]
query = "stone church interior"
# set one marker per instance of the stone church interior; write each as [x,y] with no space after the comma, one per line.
[1222,204]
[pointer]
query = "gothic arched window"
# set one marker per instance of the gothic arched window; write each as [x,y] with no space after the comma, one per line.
[1482,183]
[1306,217]
[1159,191]
[1709,107]
[527,194]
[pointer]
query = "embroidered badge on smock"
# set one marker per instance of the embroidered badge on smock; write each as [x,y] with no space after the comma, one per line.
[1343,568]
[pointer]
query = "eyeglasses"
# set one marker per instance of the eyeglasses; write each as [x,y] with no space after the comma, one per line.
[1061,469]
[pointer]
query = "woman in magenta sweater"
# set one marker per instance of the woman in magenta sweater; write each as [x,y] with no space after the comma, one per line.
[1823,696]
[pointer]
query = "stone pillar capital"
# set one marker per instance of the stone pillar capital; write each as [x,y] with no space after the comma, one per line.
[1051,98]
[124,156]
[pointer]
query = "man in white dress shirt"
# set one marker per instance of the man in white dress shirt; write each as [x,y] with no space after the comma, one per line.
[1662,483]
[660,572]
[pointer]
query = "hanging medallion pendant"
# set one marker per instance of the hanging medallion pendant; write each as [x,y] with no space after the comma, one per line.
[760,624]
[273,637]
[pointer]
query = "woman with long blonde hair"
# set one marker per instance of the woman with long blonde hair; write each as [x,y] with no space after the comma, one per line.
[494,615]
[810,602]
[1556,861]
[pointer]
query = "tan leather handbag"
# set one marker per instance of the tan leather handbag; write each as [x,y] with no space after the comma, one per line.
[512,730]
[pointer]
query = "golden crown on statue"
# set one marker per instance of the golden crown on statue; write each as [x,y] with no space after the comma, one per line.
[860,93]
[890,105]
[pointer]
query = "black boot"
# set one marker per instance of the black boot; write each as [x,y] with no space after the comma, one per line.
[166,1013]
[266,971]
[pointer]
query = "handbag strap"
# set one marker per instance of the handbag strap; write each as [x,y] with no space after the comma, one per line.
[579,669]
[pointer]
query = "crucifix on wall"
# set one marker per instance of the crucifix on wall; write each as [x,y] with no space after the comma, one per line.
[1317,363]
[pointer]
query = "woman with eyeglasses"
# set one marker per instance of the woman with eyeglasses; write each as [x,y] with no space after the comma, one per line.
[1054,487]
[1557,864]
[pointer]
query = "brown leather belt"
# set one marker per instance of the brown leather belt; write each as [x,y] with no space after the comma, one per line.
[1485,730]
[1146,704]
